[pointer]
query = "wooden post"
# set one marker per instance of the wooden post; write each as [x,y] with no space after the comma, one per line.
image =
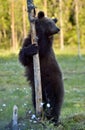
[15,118]
[37,75]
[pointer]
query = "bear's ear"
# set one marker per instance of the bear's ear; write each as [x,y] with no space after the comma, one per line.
[41,14]
[55,20]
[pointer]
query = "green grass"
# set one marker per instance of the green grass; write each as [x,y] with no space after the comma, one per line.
[14,90]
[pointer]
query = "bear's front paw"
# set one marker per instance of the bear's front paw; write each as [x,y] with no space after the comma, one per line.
[31,50]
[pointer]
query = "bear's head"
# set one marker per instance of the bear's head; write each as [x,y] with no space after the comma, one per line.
[46,26]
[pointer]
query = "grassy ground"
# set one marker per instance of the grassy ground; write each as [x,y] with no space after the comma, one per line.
[14,90]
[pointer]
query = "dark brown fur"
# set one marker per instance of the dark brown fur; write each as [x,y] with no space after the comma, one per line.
[51,76]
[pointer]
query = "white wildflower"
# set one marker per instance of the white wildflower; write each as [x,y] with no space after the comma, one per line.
[33,116]
[17,88]
[38,118]
[30,120]
[30,112]
[25,104]
[41,104]
[48,105]
[34,122]
[4,105]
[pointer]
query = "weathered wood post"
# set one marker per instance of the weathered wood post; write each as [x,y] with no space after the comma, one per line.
[37,76]
[15,118]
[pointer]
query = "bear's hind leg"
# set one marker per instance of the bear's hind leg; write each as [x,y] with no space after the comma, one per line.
[55,98]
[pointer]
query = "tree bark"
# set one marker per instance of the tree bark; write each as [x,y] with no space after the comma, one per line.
[61,25]
[12,26]
[45,7]
[36,63]
[24,19]
[77,26]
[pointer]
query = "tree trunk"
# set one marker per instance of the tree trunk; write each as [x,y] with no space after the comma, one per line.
[45,7]
[37,75]
[24,20]
[61,27]
[77,26]
[12,26]
[36,63]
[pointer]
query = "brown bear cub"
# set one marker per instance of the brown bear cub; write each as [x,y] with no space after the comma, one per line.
[51,76]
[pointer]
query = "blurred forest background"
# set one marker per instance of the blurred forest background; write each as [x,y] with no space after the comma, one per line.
[14,27]
[14,24]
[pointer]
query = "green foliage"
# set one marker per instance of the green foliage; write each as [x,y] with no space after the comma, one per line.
[4,15]
[4,23]
[68,17]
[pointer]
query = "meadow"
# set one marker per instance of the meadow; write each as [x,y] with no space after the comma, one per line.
[14,90]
